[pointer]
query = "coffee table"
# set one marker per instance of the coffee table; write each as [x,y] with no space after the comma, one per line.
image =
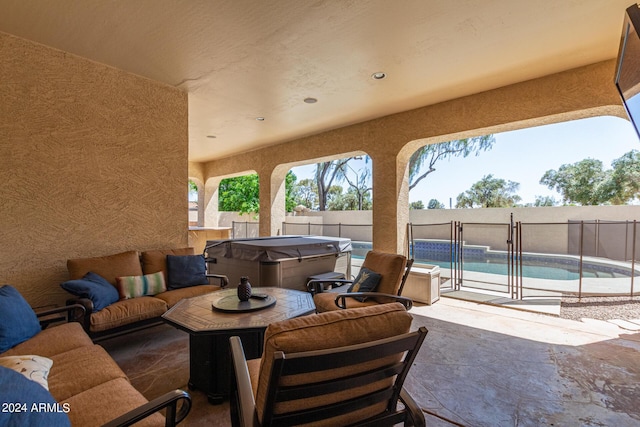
[210,329]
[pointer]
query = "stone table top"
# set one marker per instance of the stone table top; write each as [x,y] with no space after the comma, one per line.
[197,315]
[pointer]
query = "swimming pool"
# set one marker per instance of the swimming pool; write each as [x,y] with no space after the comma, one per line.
[483,260]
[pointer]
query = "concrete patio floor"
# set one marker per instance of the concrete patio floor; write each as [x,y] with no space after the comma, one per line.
[481,365]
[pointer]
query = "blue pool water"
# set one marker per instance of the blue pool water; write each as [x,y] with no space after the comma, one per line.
[480,259]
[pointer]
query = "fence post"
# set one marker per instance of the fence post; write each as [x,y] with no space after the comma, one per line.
[633,259]
[581,251]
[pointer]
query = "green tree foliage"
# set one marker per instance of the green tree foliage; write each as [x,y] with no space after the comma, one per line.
[625,179]
[359,188]
[435,204]
[242,194]
[585,183]
[416,205]
[423,161]
[349,201]
[489,192]
[305,193]
[545,201]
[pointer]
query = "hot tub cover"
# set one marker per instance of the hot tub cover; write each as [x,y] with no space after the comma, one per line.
[277,248]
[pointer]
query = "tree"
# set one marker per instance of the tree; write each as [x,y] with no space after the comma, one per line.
[416,205]
[545,201]
[625,179]
[240,194]
[584,182]
[359,186]
[328,173]
[430,154]
[489,192]
[435,204]
[306,193]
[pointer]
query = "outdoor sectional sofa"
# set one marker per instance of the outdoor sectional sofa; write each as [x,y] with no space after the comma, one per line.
[182,271]
[56,376]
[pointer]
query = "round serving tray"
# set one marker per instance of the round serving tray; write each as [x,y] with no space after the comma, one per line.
[232,304]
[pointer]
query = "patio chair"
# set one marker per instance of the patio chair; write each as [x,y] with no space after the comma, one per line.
[387,275]
[337,368]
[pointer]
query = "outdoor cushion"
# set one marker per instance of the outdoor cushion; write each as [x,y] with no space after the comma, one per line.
[173,296]
[127,311]
[93,286]
[154,261]
[186,270]
[16,389]
[53,340]
[36,368]
[18,321]
[81,369]
[328,330]
[109,267]
[390,267]
[137,286]
[86,410]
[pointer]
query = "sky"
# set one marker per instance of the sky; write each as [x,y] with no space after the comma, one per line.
[523,156]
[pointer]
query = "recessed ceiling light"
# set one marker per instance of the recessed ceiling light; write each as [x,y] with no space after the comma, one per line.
[310,100]
[260,119]
[378,76]
[211,136]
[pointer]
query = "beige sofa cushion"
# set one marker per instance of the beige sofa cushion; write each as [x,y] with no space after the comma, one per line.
[127,311]
[327,330]
[81,369]
[173,296]
[154,261]
[109,267]
[53,340]
[87,410]
[326,301]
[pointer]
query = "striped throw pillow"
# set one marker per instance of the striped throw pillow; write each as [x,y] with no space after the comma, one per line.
[137,286]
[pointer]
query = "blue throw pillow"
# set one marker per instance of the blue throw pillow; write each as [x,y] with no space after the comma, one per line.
[186,270]
[27,403]
[94,287]
[365,281]
[18,321]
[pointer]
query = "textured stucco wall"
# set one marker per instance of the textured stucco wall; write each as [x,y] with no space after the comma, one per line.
[93,161]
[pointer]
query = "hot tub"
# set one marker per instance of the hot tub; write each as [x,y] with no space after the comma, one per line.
[281,261]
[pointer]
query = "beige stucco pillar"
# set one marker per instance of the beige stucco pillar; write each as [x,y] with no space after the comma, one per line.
[272,200]
[209,202]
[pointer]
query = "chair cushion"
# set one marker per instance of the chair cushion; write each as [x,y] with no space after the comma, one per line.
[18,321]
[326,301]
[109,267]
[186,270]
[127,311]
[95,287]
[328,330]
[391,267]
[173,296]
[154,261]
[122,397]
[53,340]
[17,389]
[137,286]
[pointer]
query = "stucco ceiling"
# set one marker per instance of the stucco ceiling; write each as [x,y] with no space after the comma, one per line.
[243,59]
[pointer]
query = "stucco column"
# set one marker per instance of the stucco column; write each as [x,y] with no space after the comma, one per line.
[272,198]
[210,202]
[390,204]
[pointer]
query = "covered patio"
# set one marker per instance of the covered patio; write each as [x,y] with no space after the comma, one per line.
[480,366]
